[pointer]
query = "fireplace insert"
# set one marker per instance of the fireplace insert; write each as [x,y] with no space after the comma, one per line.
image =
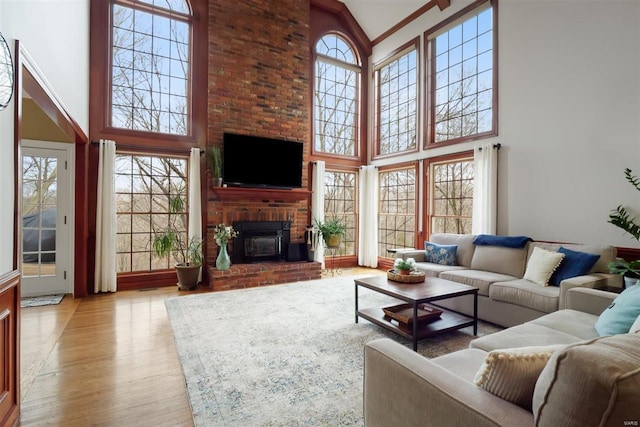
[259,241]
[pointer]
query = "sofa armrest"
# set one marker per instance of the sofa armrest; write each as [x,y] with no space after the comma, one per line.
[403,388]
[588,300]
[416,254]
[593,281]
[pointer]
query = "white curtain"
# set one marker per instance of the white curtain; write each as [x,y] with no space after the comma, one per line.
[317,204]
[485,189]
[368,230]
[195,201]
[105,271]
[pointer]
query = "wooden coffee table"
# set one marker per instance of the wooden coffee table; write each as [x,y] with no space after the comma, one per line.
[432,289]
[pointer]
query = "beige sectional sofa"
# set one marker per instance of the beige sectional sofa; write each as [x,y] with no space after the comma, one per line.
[589,380]
[505,297]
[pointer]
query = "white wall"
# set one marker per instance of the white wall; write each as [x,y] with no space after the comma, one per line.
[56,35]
[569,114]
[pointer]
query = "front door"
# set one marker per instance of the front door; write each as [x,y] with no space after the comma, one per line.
[47,233]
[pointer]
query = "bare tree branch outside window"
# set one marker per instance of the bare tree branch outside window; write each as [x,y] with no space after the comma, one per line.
[452,197]
[396,210]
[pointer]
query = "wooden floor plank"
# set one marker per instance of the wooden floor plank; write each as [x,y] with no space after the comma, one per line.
[107,360]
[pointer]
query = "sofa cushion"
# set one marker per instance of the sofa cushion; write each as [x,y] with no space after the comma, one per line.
[500,260]
[464,242]
[607,253]
[464,363]
[635,328]
[479,279]
[440,254]
[524,335]
[574,264]
[572,322]
[620,315]
[526,294]
[590,383]
[541,265]
[503,241]
[434,270]
[512,373]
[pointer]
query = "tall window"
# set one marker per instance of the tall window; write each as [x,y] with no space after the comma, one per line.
[462,79]
[145,185]
[451,196]
[340,202]
[335,101]
[150,66]
[397,103]
[397,210]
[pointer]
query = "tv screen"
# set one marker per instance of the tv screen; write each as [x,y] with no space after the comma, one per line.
[251,161]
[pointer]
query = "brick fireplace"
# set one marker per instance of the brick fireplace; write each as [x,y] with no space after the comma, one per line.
[259,66]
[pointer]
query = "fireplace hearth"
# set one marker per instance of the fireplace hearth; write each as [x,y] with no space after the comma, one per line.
[260,241]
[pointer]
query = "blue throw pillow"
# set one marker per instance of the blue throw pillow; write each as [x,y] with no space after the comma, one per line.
[440,254]
[574,264]
[504,241]
[620,315]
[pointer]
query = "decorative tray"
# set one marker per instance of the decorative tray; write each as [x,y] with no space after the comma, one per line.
[403,313]
[413,277]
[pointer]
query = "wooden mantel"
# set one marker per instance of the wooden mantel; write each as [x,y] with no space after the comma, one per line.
[236,193]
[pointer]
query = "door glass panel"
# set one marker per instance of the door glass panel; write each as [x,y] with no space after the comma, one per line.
[39,206]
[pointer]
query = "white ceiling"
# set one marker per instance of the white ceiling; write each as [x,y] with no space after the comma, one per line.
[377,16]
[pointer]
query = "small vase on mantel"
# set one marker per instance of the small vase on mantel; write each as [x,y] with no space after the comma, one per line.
[223,262]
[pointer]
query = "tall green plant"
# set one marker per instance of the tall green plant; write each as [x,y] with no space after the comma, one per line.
[214,161]
[620,217]
[172,241]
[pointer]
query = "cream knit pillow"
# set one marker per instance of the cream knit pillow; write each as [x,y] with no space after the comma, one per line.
[511,374]
[541,265]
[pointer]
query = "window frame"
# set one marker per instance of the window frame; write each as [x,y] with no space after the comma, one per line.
[412,45]
[360,100]
[101,21]
[427,200]
[396,167]
[429,79]
[356,214]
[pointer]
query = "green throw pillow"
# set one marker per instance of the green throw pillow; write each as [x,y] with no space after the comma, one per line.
[620,315]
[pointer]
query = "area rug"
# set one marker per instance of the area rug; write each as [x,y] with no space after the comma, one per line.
[283,355]
[41,300]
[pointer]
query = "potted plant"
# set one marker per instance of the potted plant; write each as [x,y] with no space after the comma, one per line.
[621,218]
[214,162]
[629,269]
[404,266]
[331,231]
[187,253]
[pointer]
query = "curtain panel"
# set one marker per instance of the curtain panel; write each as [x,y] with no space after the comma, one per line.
[485,189]
[368,227]
[195,200]
[105,271]
[317,204]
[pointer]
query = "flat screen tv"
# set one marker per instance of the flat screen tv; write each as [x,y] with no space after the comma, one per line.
[250,161]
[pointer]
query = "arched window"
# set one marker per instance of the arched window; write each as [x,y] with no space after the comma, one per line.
[151,66]
[337,79]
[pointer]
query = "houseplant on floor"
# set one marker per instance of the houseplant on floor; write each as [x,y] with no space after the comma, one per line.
[621,218]
[173,240]
[214,163]
[331,231]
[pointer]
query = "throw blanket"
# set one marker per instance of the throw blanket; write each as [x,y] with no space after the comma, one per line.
[504,241]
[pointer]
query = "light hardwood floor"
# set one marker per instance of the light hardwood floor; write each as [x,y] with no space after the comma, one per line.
[105,360]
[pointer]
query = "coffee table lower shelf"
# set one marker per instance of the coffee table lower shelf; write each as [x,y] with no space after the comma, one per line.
[448,321]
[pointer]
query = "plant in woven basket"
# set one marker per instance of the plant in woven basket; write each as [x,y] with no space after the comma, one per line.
[404,266]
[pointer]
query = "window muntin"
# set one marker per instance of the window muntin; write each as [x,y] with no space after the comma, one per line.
[451,195]
[337,76]
[398,104]
[150,64]
[340,202]
[396,210]
[463,78]
[144,187]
